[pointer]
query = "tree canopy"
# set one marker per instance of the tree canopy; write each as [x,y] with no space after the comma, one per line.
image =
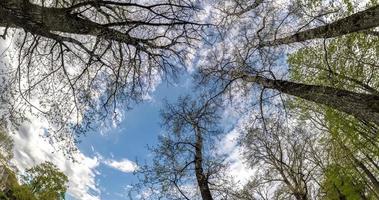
[42,182]
[302,75]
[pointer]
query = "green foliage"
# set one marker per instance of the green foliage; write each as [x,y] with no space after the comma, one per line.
[349,6]
[22,192]
[12,179]
[3,196]
[349,63]
[338,185]
[15,191]
[46,181]
[42,182]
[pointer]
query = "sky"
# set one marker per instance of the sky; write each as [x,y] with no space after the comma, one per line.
[104,165]
[106,158]
[128,141]
[105,161]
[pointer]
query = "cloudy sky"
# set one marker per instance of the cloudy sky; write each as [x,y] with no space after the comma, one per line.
[106,159]
[104,165]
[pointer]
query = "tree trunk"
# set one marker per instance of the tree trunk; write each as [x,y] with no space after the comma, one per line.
[354,23]
[371,176]
[202,179]
[46,20]
[362,106]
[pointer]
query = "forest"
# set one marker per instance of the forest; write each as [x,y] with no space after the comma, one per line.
[291,86]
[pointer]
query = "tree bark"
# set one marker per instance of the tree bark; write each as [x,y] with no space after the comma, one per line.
[354,23]
[46,20]
[201,177]
[362,106]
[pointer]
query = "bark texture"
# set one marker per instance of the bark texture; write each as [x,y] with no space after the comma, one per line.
[201,177]
[354,23]
[362,106]
[46,20]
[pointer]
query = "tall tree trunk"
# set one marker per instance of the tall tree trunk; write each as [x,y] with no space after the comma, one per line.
[362,106]
[201,177]
[44,21]
[354,23]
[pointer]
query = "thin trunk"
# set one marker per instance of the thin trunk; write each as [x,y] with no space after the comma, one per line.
[362,106]
[354,23]
[201,177]
[371,176]
[366,171]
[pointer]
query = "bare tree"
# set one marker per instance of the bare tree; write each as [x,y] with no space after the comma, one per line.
[184,160]
[76,61]
[281,155]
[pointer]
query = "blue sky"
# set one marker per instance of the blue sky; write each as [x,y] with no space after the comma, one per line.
[139,127]
[90,177]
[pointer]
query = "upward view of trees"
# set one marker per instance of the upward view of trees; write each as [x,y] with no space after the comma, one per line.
[79,61]
[304,73]
[182,161]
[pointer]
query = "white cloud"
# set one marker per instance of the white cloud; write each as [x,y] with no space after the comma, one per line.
[32,149]
[229,146]
[123,165]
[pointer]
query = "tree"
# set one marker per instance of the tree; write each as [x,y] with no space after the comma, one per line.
[22,192]
[12,190]
[75,60]
[341,185]
[316,17]
[239,59]
[347,63]
[45,181]
[360,21]
[282,155]
[183,159]
[332,79]
[360,105]
[42,182]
